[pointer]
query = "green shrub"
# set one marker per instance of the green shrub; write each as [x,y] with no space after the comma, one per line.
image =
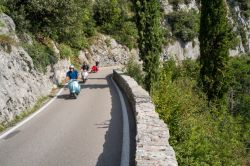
[115,17]
[184,24]
[134,70]
[245,7]
[3,7]
[41,55]
[239,93]
[65,51]
[107,14]
[200,135]
[127,35]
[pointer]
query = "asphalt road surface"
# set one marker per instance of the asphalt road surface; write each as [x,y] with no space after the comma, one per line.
[86,131]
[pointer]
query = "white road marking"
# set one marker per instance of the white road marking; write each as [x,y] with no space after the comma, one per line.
[30,117]
[126,138]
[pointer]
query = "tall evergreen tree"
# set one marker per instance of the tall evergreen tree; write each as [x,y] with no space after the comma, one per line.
[214,47]
[150,38]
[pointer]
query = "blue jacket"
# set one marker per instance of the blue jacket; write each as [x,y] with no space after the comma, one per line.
[72,74]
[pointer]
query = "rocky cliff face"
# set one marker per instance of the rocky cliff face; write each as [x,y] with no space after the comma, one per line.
[20,84]
[107,51]
[180,50]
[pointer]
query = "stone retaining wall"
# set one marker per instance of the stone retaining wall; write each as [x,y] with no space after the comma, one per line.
[152,147]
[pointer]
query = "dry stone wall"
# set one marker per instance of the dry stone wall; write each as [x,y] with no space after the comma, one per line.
[152,147]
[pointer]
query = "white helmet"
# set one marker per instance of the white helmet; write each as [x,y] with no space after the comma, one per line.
[71,67]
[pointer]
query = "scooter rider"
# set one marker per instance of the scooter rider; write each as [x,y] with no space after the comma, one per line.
[85,66]
[72,73]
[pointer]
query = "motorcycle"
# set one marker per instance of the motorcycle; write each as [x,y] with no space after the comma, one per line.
[74,88]
[85,75]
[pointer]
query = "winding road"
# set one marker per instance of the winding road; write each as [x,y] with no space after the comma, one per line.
[86,131]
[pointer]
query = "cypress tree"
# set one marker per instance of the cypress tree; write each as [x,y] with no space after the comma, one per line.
[150,38]
[214,47]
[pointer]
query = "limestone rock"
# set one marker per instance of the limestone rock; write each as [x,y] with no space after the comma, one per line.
[179,50]
[7,27]
[57,72]
[107,51]
[20,84]
[166,6]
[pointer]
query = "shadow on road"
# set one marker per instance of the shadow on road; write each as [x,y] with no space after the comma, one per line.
[96,78]
[93,86]
[111,154]
[64,96]
[103,125]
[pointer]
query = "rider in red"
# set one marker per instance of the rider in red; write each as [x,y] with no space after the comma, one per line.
[94,69]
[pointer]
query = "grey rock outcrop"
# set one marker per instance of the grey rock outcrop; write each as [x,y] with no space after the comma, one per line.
[190,6]
[152,147]
[25,38]
[7,27]
[57,72]
[242,24]
[166,6]
[107,51]
[179,50]
[20,84]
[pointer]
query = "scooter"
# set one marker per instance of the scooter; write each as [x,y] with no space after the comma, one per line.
[74,88]
[85,75]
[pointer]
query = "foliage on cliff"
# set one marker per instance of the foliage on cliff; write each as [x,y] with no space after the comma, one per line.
[71,24]
[200,133]
[185,24]
[203,134]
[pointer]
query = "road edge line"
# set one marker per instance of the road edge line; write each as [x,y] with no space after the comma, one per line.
[30,117]
[125,156]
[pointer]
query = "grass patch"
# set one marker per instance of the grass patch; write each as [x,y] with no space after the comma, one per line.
[65,51]
[5,39]
[6,42]
[134,70]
